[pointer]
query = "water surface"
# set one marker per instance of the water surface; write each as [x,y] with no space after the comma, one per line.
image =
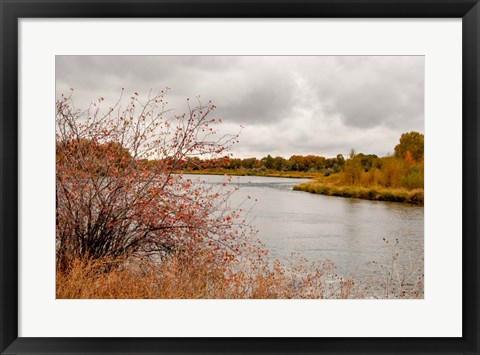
[349,232]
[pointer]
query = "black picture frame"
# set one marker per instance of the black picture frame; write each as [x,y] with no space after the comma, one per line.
[12,11]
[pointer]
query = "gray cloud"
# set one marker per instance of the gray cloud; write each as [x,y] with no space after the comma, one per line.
[290,105]
[371,91]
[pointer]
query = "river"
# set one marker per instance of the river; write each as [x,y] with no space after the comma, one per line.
[352,233]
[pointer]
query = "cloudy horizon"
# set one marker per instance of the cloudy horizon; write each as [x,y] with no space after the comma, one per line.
[288,105]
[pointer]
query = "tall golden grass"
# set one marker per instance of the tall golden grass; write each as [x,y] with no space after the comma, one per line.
[376,194]
[200,277]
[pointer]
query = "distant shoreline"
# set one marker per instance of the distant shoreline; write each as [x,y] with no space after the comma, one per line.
[265,173]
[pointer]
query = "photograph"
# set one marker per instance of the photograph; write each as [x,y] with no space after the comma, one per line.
[239,177]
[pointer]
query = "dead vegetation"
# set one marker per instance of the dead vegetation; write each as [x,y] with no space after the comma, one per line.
[200,277]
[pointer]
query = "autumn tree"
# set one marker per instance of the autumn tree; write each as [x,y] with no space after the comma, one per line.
[117,194]
[352,169]
[410,142]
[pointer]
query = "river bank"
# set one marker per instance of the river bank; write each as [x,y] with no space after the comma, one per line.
[415,196]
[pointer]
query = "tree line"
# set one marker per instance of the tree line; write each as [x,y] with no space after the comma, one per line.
[307,163]
[402,169]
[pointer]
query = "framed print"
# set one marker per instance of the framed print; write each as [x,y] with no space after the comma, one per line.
[215,176]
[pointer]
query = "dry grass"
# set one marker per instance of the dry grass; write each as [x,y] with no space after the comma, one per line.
[200,277]
[373,193]
[89,279]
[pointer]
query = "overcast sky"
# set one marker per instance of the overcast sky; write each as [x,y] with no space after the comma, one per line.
[322,105]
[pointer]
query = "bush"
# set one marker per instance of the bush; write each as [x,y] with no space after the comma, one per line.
[112,201]
[413,180]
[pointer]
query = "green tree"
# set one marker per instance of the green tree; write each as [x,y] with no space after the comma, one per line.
[268,161]
[279,163]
